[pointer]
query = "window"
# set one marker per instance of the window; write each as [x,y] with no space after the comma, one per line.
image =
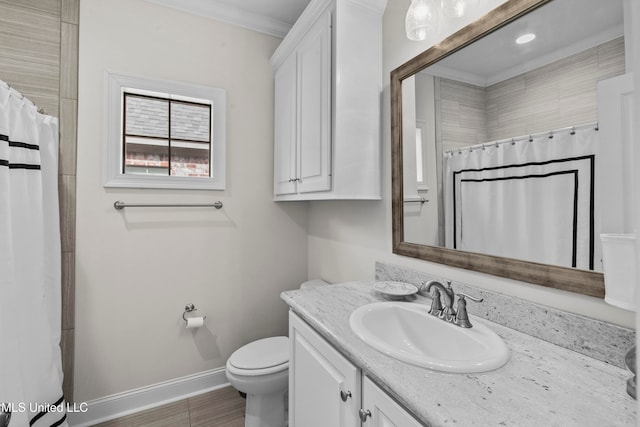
[164,134]
[421,156]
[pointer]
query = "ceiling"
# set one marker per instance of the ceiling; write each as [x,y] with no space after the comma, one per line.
[562,28]
[273,17]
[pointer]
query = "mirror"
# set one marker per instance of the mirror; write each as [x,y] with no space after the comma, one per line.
[494,144]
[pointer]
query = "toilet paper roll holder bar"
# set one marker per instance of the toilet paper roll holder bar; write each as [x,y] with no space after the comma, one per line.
[189,308]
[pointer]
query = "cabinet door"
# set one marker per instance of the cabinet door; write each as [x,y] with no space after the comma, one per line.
[381,410]
[616,124]
[314,108]
[284,156]
[324,387]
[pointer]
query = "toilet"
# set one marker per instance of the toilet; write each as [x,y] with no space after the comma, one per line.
[261,370]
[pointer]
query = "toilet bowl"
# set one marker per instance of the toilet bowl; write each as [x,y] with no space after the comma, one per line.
[261,370]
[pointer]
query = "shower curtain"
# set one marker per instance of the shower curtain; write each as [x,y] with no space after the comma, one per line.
[30,300]
[533,199]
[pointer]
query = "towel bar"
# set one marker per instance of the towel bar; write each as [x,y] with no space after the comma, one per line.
[118,205]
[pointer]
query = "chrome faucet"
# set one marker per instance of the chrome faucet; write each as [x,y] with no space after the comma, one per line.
[446,312]
[437,309]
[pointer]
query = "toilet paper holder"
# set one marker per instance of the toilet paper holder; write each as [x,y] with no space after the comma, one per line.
[189,308]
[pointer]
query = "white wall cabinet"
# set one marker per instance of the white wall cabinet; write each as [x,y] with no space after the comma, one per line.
[328,82]
[326,389]
[302,114]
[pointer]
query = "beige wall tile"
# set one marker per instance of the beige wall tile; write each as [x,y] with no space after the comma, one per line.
[611,55]
[67,195]
[30,78]
[30,53]
[69,61]
[506,88]
[68,290]
[544,120]
[70,11]
[68,139]
[558,95]
[463,93]
[29,35]
[50,6]
[67,344]
[462,113]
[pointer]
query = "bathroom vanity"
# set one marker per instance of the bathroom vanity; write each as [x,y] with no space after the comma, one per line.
[326,388]
[337,379]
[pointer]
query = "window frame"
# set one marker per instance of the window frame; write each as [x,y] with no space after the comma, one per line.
[113,157]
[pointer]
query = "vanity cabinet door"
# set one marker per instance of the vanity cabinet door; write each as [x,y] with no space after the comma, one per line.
[380,410]
[324,387]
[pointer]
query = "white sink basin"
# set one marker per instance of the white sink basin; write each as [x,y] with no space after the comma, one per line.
[407,332]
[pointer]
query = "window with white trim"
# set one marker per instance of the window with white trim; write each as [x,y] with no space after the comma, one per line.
[164,134]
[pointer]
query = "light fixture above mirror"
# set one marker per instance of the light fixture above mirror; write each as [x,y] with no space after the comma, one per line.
[423,15]
[421,19]
[454,8]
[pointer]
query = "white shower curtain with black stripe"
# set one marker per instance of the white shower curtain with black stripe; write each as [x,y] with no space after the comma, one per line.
[30,300]
[533,199]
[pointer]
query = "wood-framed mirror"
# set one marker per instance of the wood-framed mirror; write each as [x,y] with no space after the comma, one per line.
[408,129]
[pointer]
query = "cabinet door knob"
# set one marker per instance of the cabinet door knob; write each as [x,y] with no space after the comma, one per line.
[344,396]
[364,414]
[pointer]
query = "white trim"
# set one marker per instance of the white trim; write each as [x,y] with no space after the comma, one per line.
[230,14]
[132,401]
[112,175]
[324,195]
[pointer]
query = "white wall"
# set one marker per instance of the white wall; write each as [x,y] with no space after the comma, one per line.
[346,238]
[137,269]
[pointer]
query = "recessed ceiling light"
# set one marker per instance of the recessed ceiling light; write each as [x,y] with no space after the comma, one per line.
[525,38]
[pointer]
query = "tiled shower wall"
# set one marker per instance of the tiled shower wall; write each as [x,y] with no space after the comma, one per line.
[557,95]
[39,57]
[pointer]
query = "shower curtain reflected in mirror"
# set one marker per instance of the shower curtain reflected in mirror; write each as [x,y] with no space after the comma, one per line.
[533,199]
[30,300]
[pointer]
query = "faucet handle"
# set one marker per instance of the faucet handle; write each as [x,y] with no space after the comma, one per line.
[436,304]
[474,299]
[462,318]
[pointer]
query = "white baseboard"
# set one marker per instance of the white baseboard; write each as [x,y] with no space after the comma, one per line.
[129,402]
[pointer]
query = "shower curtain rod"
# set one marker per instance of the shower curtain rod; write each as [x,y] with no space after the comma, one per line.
[529,137]
[21,95]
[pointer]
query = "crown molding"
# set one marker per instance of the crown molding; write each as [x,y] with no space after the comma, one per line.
[311,13]
[229,14]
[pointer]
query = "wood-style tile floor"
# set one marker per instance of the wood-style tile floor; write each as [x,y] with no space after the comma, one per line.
[219,408]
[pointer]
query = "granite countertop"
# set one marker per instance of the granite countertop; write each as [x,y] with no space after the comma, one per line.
[541,384]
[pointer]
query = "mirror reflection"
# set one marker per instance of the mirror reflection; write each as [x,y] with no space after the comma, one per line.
[506,145]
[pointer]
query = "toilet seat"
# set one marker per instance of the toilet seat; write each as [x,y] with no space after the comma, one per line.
[261,357]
